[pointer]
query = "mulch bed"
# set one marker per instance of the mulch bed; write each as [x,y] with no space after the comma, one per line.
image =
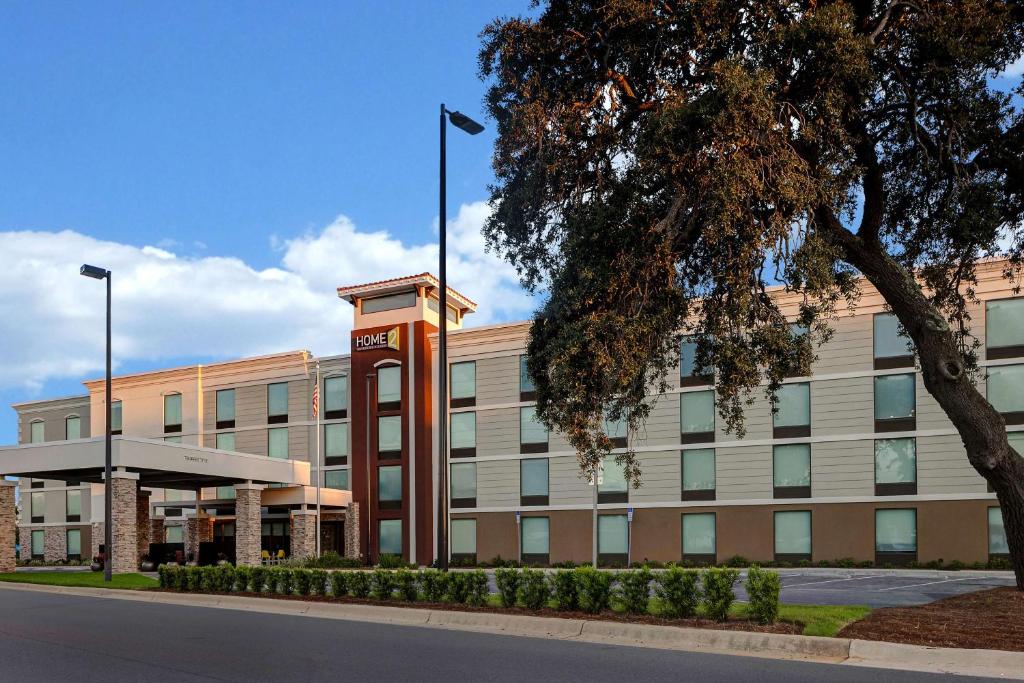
[990,619]
[731,625]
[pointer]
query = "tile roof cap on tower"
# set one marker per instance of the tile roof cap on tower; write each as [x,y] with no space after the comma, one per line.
[353,292]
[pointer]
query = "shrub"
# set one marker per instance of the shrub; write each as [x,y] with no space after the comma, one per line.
[678,590]
[388,561]
[359,584]
[193,579]
[283,580]
[434,584]
[339,584]
[260,578]
[635,589]
[534,589]
[458,587]
[383,582]
[737,561]
[318,581]
[332,560]
[209,581]
[243,577]
[763,590]
[226,578]
[508,585]
[477,588]
[303,582]
[563,585]
[163,573]
[718,594]
[593,589]
[406,582]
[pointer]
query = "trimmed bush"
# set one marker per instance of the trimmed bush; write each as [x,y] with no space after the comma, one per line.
[163,573]
[477,588]
[331,560]
[763,590]
[458,587]
[593,589]
[533,588]
[679,592]
[243,577]
[318,581]
[563,586]
[406,583]
[383,582]
[283,580]
[339,584]
[434,584]
[303,585]
[194,579]
[359,584]
[635,590]
[508,585]
[226,576]
[388,561]
[718,594]
[261,579]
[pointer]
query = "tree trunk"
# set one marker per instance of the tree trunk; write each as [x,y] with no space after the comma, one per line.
[981,428]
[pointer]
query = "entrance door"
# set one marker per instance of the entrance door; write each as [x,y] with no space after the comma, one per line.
[332,537]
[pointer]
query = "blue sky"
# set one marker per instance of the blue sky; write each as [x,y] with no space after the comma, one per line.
[204,130]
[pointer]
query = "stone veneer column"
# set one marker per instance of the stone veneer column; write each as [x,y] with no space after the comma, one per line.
[352,531]
[55,543]
[303,534]
[248,530]
[142,528]
[126,546]
[157,531]
[197,530]
[8,525]
[95,539]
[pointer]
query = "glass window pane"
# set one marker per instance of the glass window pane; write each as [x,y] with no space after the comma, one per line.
[1016,440]
[73,428]
[895,461]
[390,536]
[36,433]
[74,542]
[389,433]
[613,477]
[226,441]
[463,430]
[1004,388]
[389,482]
[336,393]
[525,381]
[463,380]
[699,469]
[38,504]
[389,384]
[533,477]
[895,531]
[463,532]
[793,533]
[615,429]
[336,440]
[699,534]
[174,534]
[530,429]
[464,480]
[172,439]
[688,359]
[894,396]
[697,411]
[172,409]
[225,492]
[225,405]
[536,535]
[336,479]
[792,465]
[37,542]
[1004,323]
[888,340]
[612,534]
[74,502]
[388,302]
[116,416]
[277,399]
[794,405]
[997,544]
[277,442]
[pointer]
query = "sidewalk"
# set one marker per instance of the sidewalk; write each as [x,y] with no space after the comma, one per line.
[1009,665]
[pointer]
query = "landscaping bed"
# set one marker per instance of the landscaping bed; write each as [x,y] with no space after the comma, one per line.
[990,619]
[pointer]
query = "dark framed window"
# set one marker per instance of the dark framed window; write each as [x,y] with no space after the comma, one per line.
[336,444]
[336,479]
[690,375]
[527,391]
[792,417]
[612,540]
[463,535]
[1004,328]
[997,545]
[37,484]
[38,544]
[535,540]
[895,467]
[698,474]
[225,441]
[73,538]
[792,535]
[791,470]
[277,403]
[612,487]
[892,349]
[389,487]
[37,510]
[895,403]
[463,434]
[617,431]
[463,384]
[800,335]
[1003,390]
[73,506]
[226,409]
[699,537]
[533,435]
[277,443]
[697,416]
[389,437]
[37,432]
[389,388]
[533,481]
[463,483]
[388,302]
[72,427]
[172,413]
[389,535]
[116,417]
[336,397]
[895,536]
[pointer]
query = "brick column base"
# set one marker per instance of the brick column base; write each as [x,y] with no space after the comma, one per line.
[248,531]
[157,532]
[197,531]
[55,544]
[126,545]
[303,539]
[352,531]
[142,522]
[95,539]
[8,525]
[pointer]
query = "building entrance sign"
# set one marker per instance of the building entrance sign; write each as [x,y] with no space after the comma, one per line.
[385,339]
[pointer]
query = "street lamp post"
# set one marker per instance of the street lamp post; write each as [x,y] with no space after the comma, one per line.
[470,126]
[108,535]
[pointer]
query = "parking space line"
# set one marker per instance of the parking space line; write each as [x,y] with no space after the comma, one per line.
[816,583]
[918,585]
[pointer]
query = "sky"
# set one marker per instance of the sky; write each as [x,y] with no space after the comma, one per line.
[232,164]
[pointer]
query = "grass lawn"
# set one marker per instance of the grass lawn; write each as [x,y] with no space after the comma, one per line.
[81,579]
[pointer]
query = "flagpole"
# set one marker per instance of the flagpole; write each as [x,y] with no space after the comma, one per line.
[319,469]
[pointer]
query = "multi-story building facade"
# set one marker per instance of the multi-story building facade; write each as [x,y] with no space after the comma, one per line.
[858,462]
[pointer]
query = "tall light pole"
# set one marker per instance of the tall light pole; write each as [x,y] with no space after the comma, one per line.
[467,124]
[108,543]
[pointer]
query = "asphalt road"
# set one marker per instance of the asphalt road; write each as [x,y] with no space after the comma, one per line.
[52,637]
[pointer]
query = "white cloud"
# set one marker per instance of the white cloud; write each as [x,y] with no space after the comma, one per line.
[1014,69]
[171,307]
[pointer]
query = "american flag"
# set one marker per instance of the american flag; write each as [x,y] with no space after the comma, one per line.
[316,400]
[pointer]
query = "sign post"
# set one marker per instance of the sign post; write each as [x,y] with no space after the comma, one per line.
[629,536]
[596,479]
[519,535]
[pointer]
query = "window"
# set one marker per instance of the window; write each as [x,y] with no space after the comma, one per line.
[336,397]
[172,413]
[463,380]
[791,470]
[277,403]
[792,535]
[389,302]
[527,391]
[74,544]
[699,537]
[895,536]
[533,435]
[390,535]
[389,437]
[116,417]
[226,441]
[172,439]
[895,467]
[1004,383]
[616,431]
[336,444]
[997,544]
[277,442]
[1004,328]
[225,493]
[74,506]
[73,427]
[36,432]
[38,509]
[800,335]
[463,533]
[533,481]
[793,415]
[892,349]
[174,534]
[895,403]
[699,474]
[1016,440]
[612,540]
[389,387]
[434,305]
[37,483]
[463,485]
[336,479]
[697,416]
[612,487]
[38,545]
[389,487]
[463,435]
[689,374]
[535,544]
[226,409]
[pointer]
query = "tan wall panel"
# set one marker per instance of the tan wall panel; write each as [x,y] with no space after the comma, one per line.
[660,477]
[953,530]
[746,531]
[843,468]
[497,432]
[744,472]
[843,406]
[942,467]
[497,380]
[497,483]
[656,534]
[567,487]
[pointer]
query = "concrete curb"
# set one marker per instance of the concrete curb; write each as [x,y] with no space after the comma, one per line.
[990,663]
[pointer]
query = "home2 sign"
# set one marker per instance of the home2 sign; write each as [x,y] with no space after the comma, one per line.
[385,339]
